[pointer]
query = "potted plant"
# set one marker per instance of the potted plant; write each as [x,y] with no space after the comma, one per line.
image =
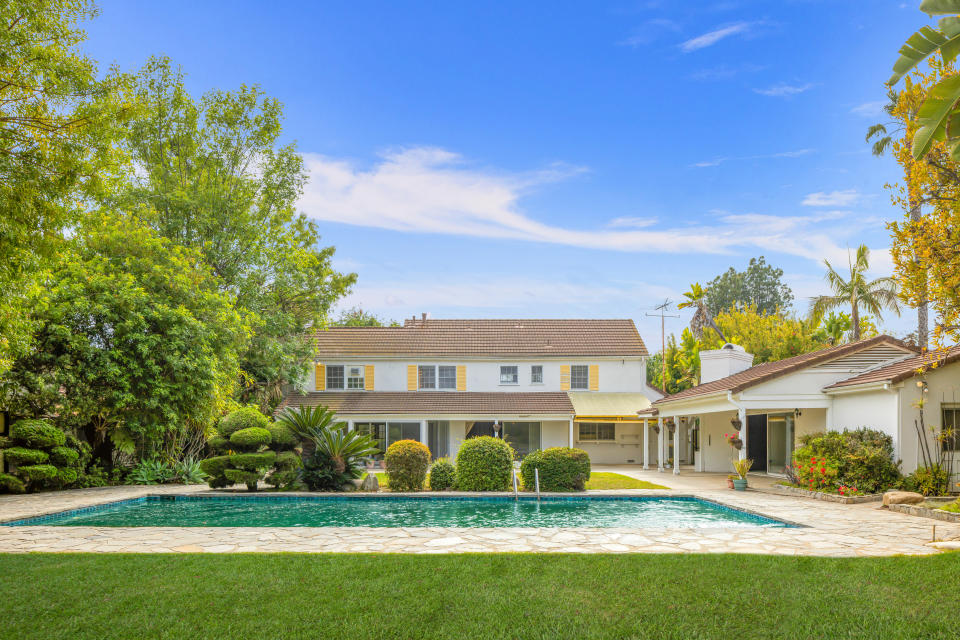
[741,466]
[736,423]
[733,439]
[730,479]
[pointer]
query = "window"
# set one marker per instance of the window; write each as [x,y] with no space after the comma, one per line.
[536,374]
[335,377]
[428,376]
[447,377]
[509,374]
[579,376]
[524,437]
[950,431]
[597,432]
[354,377]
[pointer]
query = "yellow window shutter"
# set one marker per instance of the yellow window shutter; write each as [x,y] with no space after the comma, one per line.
[320,377]
[411,377]
[565,377]
[368,377]
[461,377]
[594,377]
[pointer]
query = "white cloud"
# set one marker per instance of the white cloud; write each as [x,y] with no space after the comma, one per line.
[844,198]
[632,222]
[782,154]
[713,37]
[784,90]
[869,109]
[650,31]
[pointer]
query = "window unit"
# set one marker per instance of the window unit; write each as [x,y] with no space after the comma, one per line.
[509,374]
[443,377]
[355,378]
[536,374]
[447,377]
[427,377]
[335,376]
[950,429]
[597,432]
[579,376]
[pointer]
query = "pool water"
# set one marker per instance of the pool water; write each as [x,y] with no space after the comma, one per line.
[403,511]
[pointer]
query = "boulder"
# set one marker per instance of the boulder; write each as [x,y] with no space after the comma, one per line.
[348,487]
[901,497]
[370,483]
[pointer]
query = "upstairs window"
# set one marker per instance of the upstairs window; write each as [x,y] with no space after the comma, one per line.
[354,377]
[427,376]
[509,374]
[536,374]
[335,376]
[579,376]
[447,377]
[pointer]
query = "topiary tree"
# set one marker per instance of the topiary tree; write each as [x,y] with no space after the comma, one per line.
[406,463]
[249,449]
[561,469]
[443,475]
[244,418]
[484,464]
[39,457]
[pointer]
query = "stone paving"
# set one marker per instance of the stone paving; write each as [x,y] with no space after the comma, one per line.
[829,530]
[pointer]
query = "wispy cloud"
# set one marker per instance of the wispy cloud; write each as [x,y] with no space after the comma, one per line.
[844,198]
[633,223]
[650,31]
[783,154]
[869,109]
[713,37]
[784,90]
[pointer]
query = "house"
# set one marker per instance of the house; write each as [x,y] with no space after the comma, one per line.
[872,383]
[536,383]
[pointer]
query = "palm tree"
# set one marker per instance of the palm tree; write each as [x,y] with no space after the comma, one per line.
[872,295]
[330,436]
[696,298]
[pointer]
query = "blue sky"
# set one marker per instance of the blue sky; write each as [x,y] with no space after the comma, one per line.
[559,159]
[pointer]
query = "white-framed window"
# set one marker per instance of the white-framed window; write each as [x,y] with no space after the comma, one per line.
[509,374]
[355,376]
[536,374]
[427,376]
[579,376]
[335,377]
[447,376]
[597,432]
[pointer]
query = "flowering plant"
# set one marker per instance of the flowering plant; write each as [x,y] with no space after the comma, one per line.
[846,490]
[733,439]
[816,473]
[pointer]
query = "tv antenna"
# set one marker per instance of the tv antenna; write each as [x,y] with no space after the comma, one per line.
[663,315]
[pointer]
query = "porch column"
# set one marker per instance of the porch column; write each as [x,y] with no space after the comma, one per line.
[676,446]
[698,455]
[349,425]
[646,444]
[423,431]
[570,434]
[742,415]
[660,444]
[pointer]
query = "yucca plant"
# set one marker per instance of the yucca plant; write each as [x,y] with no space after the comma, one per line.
[742,467]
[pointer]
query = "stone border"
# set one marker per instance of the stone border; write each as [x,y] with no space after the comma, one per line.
[828,497]
[926,512]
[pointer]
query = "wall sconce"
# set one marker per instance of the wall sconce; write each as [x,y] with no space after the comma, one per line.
[797,413]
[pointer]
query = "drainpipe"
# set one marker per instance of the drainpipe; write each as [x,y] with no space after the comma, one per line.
[742,416]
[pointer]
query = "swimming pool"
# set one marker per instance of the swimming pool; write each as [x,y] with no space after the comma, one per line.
[406,511]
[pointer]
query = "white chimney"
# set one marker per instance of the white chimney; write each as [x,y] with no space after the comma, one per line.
[725,361]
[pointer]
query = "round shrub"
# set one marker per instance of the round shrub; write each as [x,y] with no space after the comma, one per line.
[215,466]
[281,437]
[23,456]
[239,476]
[250,439]
[244,418]
[406,463]
[66,475]
[253,461]
[443,475]
[11,484]
[37,472]
[287,460]
[219,444]
[37,434]
[64,456]
[561,469]
[484,464]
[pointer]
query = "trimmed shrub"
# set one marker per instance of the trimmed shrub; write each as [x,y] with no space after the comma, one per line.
[561,469]
[287,460]
[37,472]
[443,475]
[64,456]
[244,418]
[219,444]
[214,468]
[484,464]
[406,463]
[23,456]
[282,438]
[250,439]
[320,473]
[860,459]
[253,461]
[239,476]
[66,475]
[37,434]
[11,484]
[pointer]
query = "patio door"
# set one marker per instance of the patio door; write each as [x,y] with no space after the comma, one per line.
[438,438]
[757,441]
[779,441]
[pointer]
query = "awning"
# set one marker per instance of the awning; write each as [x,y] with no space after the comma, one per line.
[607,407]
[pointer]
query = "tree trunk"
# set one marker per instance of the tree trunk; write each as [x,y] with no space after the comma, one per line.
[855,321]
[923,338]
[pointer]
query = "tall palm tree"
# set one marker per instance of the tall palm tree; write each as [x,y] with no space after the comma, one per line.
[871,295]
[696,298]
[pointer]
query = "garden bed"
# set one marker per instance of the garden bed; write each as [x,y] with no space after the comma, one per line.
[928,510]
[828,497]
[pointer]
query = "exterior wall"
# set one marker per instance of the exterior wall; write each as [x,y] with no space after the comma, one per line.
[715,453]
[809,421]
[554,434]
[943,388]
[628,449]
[874,409]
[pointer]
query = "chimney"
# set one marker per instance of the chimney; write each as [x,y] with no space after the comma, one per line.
[423,317]
[725,361]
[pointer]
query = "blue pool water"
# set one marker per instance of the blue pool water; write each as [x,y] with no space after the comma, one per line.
[405,511]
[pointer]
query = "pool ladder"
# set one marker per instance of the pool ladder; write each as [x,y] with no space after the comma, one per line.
[516,493]
[536,482]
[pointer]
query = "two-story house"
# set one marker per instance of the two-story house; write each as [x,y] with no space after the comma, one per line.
[536,383]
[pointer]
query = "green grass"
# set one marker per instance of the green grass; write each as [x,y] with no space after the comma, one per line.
[606,480]
[475,596]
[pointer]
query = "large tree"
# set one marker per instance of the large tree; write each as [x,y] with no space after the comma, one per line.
[358,317]
[211,174]
[760,286]
[768,336]
[696,299]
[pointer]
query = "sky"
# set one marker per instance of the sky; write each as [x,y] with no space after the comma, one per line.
[559,159]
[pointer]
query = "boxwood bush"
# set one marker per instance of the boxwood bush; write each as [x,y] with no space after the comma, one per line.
[37,434]
[484,464]
[406,463]
[248,447]
[40,457]
[244,418]
[250,439]
[443,475]
[23,456]
[561,469]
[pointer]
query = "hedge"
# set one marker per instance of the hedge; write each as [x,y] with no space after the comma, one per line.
[244,418]
[219,444]
[484,464]
[64,456]
[406,463]
[37,434]
[253,461]
[250,439]
[239,476]
[281,437]
[561,469]
[443,475]
[37,472]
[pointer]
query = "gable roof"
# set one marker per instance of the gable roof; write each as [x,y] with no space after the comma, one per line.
[770,370]
[901,369]
[432,402]
[495,338]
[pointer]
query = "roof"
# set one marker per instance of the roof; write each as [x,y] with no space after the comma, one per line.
[902,369]
[432,402]
[495,338]
[770,370]
[593,404]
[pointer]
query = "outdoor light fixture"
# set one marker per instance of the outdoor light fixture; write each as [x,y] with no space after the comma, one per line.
[797,413]
[922,384]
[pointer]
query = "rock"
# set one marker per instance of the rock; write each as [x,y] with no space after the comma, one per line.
[901,497]
[370,483]
[348,487]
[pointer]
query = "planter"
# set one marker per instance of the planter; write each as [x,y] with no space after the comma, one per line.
[740,484]
[736,443]
[729,483]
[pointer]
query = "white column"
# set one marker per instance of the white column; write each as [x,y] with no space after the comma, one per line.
[660,456]
[349,425]
[423,431]
[699,454]
[570,434]
[676,446]
[646,445]
[742,415]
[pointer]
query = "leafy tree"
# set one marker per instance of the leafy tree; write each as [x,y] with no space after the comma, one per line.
[769,337]
[210,175]
[856,291]
[760,286]
[56,122]
[683,364]
[835,327]
[135,346]
[696,299]
[357,317]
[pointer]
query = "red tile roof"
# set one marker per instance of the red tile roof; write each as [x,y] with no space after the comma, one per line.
[495,338]
[432,402]
[902,369]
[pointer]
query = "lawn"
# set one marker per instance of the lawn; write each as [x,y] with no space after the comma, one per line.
[475,596]
[604,480]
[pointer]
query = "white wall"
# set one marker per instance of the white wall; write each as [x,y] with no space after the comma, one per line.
[873,409]
[943,388]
